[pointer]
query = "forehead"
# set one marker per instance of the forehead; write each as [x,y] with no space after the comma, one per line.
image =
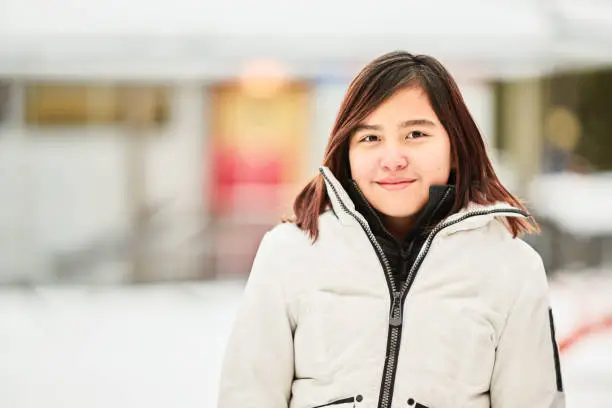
[405,104]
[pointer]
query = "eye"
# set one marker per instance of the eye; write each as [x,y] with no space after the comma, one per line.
[415,134]
[369,139]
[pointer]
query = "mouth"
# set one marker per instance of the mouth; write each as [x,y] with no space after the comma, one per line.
[395,185]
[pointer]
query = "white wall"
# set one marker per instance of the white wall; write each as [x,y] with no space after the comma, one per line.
[480,100]
[13,186]
[61,189]
[175,167]
[326,99]
[27,17]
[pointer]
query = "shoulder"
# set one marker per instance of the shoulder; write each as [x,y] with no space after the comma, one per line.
[287,245]
[517,265]
[288,234]
[528,273]
[505,264]
[287,253]
[514,250]
[285,235]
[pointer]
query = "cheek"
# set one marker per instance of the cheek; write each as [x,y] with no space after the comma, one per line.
[438,164]
[363,165]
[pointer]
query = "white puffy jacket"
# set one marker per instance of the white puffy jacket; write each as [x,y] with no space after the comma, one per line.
[322,325]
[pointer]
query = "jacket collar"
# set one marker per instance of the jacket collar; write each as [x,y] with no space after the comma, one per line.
[438,207]
[473,216]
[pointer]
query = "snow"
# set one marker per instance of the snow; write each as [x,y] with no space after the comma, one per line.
[162,345]
[579,298]
[157,346]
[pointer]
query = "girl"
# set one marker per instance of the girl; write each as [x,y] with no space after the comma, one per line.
[401,281]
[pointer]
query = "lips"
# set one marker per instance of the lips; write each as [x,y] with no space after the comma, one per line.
[394,185]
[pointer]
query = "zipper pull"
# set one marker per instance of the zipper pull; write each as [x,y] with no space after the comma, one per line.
[395,318]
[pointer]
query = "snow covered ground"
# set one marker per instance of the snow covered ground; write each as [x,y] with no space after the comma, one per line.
[579,300]
[78,347]
[161,345]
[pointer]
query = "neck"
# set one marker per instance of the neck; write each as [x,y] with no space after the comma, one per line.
[398,226]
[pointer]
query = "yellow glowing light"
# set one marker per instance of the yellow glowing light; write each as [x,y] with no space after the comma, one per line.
[563,128]
[263,78]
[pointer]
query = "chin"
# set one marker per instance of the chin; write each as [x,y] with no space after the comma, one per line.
[399,214]
[392,211]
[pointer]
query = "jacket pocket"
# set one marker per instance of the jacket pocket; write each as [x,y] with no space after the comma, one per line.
[349,400]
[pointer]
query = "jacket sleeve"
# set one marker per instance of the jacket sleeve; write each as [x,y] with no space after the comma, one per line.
[257,369]
[527,371]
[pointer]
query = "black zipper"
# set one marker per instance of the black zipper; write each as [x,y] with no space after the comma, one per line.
[394,334]
[340,401]
[396,315]
[398,296]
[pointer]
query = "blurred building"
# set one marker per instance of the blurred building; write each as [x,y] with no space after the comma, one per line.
[159,140]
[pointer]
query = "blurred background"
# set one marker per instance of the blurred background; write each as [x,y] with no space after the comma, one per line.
[145,147]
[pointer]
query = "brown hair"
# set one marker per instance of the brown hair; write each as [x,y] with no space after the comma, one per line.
[475,178]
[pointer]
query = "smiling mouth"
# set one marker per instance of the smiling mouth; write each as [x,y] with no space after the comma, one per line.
[396,185]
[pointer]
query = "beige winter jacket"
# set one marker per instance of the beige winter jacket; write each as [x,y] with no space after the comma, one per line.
[322,325]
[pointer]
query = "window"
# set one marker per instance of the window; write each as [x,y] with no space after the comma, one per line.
[578,123]
[72,104]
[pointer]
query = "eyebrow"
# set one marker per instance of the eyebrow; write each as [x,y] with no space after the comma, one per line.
[407,123]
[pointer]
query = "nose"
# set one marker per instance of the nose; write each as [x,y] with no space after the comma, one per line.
[393,159]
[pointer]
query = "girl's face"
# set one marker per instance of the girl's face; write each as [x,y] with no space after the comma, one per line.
[398,152]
